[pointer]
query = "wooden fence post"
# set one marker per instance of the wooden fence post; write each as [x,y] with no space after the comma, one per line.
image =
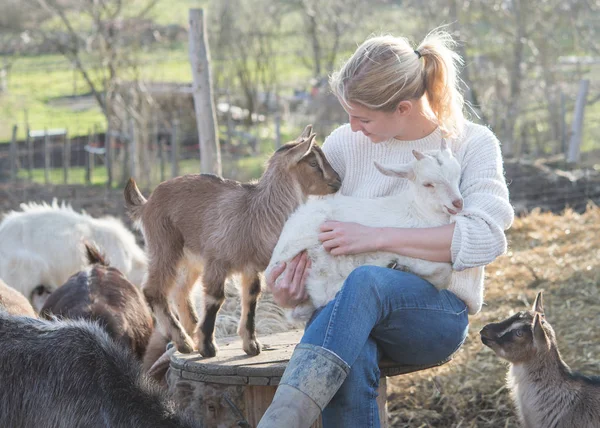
[14,155]
[210,154]
[66,157]
[577,129]
[108,153]
[175,148]
[159,147]
[133,149]
[88,159]
[30,154]
[46,157]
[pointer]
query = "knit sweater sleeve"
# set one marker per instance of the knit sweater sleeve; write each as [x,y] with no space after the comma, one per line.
[333,147]
[479,233]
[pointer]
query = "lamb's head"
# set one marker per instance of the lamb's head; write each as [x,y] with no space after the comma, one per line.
[303,162]
[522,337]
[436,177]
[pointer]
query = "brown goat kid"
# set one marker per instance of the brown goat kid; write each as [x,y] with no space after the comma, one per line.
[13,302]
[102,293]
[213,227]
[546,392]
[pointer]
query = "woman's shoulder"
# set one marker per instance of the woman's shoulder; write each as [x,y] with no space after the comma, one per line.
[477,138]
[339,135]
[473,131]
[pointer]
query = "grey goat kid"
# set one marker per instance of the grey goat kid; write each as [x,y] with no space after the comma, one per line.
[545,390]
[58,374]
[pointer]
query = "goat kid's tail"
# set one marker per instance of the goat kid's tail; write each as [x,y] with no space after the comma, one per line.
[134,200]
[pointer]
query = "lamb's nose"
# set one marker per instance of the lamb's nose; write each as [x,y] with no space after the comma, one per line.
[458,203]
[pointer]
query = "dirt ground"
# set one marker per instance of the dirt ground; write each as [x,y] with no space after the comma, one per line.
[558,253]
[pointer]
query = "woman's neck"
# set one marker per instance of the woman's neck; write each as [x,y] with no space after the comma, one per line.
[421,122]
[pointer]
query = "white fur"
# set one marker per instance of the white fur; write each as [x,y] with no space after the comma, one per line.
[42,245]
[417,206]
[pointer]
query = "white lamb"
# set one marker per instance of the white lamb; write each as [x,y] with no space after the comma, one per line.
[42,246]
[431,199]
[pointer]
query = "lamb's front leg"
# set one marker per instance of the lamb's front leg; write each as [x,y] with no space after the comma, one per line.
[251,289]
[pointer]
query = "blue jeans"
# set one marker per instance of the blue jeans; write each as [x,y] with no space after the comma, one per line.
[377,312]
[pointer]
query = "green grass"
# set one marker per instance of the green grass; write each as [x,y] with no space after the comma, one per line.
[242,169]
[55,175]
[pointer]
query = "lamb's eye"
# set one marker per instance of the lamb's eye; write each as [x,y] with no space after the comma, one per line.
[428,185]
[313,163]
[519,332]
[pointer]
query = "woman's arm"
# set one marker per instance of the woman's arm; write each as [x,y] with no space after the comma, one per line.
[432,243]
[475,239]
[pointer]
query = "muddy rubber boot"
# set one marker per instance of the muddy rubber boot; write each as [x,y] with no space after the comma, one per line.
[311,379]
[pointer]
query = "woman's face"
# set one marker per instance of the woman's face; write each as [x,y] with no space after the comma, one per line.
[377,125]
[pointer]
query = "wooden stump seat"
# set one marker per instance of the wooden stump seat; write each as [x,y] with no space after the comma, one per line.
[260,375]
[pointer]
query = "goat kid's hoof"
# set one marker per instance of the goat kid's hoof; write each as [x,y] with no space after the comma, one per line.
[185,346]
[253,347]
[209,350]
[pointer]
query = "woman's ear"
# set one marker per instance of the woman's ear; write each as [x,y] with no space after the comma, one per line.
[404,107]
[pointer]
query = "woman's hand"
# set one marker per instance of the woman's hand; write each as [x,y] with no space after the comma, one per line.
[290,290]
[341,238]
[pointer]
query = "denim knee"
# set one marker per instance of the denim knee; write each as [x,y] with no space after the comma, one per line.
[363,280]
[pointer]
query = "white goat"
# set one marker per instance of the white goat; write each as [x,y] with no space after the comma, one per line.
[431,199]
[42,246]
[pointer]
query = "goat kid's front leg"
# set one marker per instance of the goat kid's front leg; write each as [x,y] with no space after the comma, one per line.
[251,289]
[214,295]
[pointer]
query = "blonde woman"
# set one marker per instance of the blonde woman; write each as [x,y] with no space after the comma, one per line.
[398,98]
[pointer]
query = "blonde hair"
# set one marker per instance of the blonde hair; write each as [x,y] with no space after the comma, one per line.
[386,70]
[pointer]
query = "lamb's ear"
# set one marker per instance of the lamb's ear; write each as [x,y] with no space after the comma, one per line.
[418,155]
[302,149]
[540,339]
[402,171]
[538,305]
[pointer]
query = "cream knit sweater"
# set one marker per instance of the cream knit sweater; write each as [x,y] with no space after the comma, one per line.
[479,234]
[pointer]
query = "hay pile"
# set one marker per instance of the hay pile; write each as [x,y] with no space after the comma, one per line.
[559,254]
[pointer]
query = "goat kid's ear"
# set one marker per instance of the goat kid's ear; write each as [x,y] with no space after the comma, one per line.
[445,148]
[402,171]
[540,339]
[418,155]
[305,134]
[538,305]
[302,149]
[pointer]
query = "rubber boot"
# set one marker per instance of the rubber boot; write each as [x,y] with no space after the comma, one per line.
[311,379]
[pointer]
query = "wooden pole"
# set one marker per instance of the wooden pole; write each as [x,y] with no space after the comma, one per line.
[175,148]
[66,157]
[14,155]
[158,146]
[88,160]
[46,157]
[30,152]
[206,119]
[563,123]
[108,153]
[133,144]
[577,130]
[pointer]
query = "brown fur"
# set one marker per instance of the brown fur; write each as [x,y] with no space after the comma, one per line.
[14,302]
[545,390]
[102,293]
[212,227]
